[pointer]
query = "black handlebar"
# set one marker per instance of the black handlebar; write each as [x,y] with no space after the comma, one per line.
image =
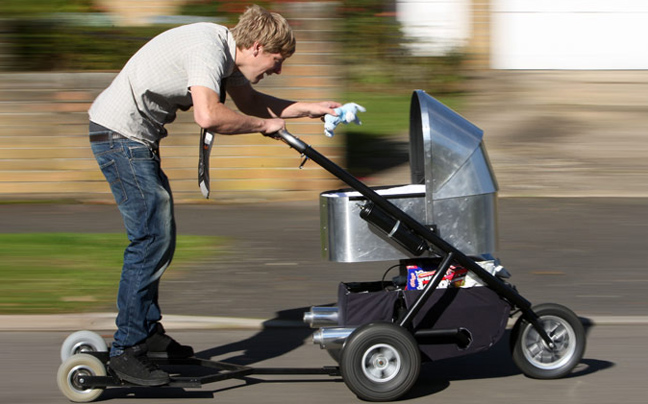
[291,140]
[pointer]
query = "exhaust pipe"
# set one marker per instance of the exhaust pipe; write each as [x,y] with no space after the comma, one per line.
[321,317]
[331,338]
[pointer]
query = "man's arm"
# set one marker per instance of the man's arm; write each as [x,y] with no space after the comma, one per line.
[255,103]
[211,114]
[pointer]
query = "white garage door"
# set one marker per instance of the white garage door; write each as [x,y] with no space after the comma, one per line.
[434,27]
[569,34]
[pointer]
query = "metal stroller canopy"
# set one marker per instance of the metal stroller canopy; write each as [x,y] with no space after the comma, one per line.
[446,153]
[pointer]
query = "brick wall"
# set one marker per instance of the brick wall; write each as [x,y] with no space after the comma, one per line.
[478,48]
[44,150]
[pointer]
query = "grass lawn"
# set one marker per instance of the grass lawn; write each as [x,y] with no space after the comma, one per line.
[387,113]
[65,272]
[378,144]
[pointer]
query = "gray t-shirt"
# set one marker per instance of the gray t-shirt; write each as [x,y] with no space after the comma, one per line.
[155,82]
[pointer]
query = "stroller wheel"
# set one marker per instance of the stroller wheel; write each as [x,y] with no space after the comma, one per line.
[380,362]
[532,355]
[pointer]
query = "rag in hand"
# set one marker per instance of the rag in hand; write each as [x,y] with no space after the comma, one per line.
[345,114]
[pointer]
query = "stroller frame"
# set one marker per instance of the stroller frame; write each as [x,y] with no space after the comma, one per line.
[447,252]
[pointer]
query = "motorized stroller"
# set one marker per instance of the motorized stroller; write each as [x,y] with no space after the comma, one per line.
[450,296]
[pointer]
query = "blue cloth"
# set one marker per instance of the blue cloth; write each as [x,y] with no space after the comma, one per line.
[143,196]
[347,113]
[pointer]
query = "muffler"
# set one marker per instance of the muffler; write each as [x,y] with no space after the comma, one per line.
[331,338]
[321,317]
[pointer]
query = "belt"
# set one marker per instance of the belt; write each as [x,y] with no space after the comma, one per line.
[105,137]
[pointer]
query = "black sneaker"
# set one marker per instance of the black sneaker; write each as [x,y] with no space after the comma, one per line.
[135,367]
[160,345]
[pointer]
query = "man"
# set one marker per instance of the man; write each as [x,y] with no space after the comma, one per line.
[180,68]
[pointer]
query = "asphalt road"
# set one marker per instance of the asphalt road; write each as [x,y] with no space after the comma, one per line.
[587,253]
[613,370]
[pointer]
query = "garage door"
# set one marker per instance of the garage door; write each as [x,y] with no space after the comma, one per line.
[569,34]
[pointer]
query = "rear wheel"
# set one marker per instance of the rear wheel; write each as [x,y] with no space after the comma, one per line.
[82,341]
[72,371]
[380,362]
[534,357]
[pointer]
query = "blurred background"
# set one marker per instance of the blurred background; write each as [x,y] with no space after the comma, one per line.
[559,87]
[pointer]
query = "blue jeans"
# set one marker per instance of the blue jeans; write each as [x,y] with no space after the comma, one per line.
[143,196]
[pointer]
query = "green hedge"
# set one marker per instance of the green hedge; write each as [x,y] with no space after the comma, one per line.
[48,45]
[69,35]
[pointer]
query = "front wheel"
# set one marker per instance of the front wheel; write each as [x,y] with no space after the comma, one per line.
[72,371]
[534,357]
[380,362]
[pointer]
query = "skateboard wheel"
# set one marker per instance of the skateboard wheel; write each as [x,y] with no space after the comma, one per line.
[80,342]
[71,373]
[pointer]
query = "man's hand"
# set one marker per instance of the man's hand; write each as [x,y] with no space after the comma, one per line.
[319,109]
[273,125]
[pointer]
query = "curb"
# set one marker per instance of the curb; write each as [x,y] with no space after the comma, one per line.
[106,321]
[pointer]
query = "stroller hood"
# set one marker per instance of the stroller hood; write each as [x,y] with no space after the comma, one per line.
[446,151]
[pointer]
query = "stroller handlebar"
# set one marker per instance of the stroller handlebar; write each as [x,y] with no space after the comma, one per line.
[290,139]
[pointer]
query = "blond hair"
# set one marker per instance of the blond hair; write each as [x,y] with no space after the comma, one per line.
[270,29]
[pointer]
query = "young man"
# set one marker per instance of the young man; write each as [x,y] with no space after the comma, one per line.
[180,68]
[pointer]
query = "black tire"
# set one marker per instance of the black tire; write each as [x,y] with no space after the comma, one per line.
[534,358]
[380,362]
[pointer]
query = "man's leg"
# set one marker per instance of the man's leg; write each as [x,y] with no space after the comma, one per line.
[144,200]
[149,221]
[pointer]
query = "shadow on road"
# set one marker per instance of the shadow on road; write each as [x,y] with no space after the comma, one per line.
[268,343]
[496,362]
[272,342]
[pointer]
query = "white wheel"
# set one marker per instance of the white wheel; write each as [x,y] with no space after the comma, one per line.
[72,370]
[381,363]
[82,341]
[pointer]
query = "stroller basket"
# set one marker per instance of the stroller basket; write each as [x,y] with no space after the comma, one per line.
[453,191]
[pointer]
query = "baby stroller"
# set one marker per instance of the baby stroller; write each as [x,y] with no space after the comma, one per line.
[450,297]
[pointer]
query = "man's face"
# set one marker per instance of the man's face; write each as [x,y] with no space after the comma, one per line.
[263,64]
